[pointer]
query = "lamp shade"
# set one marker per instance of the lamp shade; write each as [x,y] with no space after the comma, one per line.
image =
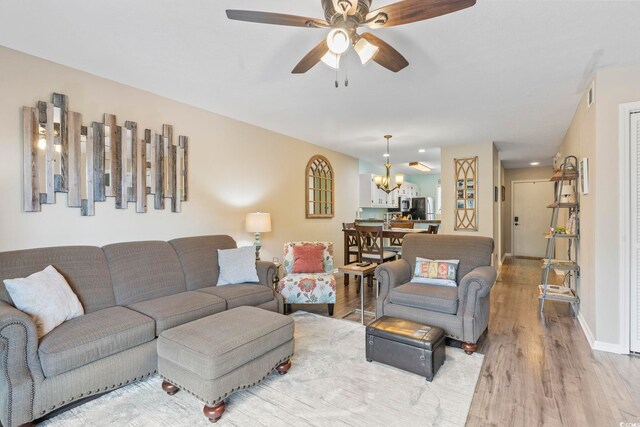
[258,222]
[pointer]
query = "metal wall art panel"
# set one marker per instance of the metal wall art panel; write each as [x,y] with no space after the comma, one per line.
[103,159]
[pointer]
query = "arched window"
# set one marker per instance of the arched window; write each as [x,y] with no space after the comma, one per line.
[319,188]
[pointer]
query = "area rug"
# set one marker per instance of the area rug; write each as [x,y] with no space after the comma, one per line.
[329,384]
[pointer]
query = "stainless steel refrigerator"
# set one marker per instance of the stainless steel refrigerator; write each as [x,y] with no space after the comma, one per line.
[423,208]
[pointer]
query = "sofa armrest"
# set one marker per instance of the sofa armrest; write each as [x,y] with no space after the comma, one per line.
[482,278]
[266,272]
[473,296]
[389,275]
[21,369]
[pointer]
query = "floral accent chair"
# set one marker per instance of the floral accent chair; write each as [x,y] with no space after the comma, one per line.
[315,287]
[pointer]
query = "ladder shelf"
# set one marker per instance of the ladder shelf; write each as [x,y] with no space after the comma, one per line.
[566,197]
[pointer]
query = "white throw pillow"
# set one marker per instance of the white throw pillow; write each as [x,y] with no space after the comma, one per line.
[237,266]
[46,297]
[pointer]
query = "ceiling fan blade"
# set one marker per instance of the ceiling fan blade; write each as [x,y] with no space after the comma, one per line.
[407,11]
[386,56]
[312,58]
[275,19]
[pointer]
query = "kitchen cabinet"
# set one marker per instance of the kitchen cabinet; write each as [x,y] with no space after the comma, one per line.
[414,190]
[392,199]
[372,197]
[409,189]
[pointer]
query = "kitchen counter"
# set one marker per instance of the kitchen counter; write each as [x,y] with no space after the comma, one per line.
[416,221]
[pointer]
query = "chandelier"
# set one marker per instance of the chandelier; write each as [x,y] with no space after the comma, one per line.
[384,182]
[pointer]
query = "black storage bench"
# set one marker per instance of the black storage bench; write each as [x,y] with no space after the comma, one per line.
[406,345]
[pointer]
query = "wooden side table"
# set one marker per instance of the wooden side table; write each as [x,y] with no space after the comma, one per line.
[354,270]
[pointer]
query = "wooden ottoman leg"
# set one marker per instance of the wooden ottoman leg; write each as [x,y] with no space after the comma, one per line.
[284,367]
[169,388]
[214,412]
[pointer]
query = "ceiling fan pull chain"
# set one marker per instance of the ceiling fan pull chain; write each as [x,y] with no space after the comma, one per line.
[346,75]
[337,85]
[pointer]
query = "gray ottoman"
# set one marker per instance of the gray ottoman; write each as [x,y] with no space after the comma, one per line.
[214,356]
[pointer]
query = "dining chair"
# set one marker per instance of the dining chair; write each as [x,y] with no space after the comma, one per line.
[433,229]
[352,243]
[371,248]
[395,243]
[351,246]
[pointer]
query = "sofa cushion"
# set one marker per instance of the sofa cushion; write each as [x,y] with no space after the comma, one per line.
[199,258]
[241,294]
[443,299]
[174,310]
[144,270]
[83,267]
[92,337]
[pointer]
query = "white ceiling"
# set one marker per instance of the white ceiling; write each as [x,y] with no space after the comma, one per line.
[505,71]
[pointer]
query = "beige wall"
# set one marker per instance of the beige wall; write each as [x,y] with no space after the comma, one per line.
[234,168]
[580,141]
[518,174]
[594,133]
[613,87]
[484,192]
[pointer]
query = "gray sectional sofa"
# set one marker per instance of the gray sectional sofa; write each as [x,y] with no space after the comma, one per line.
[130,292]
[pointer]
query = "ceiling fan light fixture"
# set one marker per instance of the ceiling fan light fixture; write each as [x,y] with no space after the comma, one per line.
[338,41]
[365,50]
[420,166]
[331,59]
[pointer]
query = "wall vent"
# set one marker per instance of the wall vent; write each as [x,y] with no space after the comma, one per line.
[591,94]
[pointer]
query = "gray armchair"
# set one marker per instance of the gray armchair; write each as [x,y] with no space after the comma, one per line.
[462,311]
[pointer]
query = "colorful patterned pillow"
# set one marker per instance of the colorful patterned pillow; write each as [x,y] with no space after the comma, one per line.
[308,259]
[436,272]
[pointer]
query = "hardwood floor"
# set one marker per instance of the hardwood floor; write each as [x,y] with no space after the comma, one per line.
[538,370]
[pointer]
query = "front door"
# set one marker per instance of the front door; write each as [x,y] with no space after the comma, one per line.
[531,217]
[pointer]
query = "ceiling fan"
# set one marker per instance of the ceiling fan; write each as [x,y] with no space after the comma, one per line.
[344,17]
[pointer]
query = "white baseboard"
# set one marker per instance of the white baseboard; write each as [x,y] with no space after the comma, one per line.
[608,347]
[585,329]
[595,344]
[506,254]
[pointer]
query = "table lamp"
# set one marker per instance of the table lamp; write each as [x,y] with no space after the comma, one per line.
[258,222]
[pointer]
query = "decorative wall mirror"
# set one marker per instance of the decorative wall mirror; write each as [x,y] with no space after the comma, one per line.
[466,194]
[319,185]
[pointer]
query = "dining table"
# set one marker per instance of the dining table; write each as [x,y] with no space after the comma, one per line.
[387,233]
